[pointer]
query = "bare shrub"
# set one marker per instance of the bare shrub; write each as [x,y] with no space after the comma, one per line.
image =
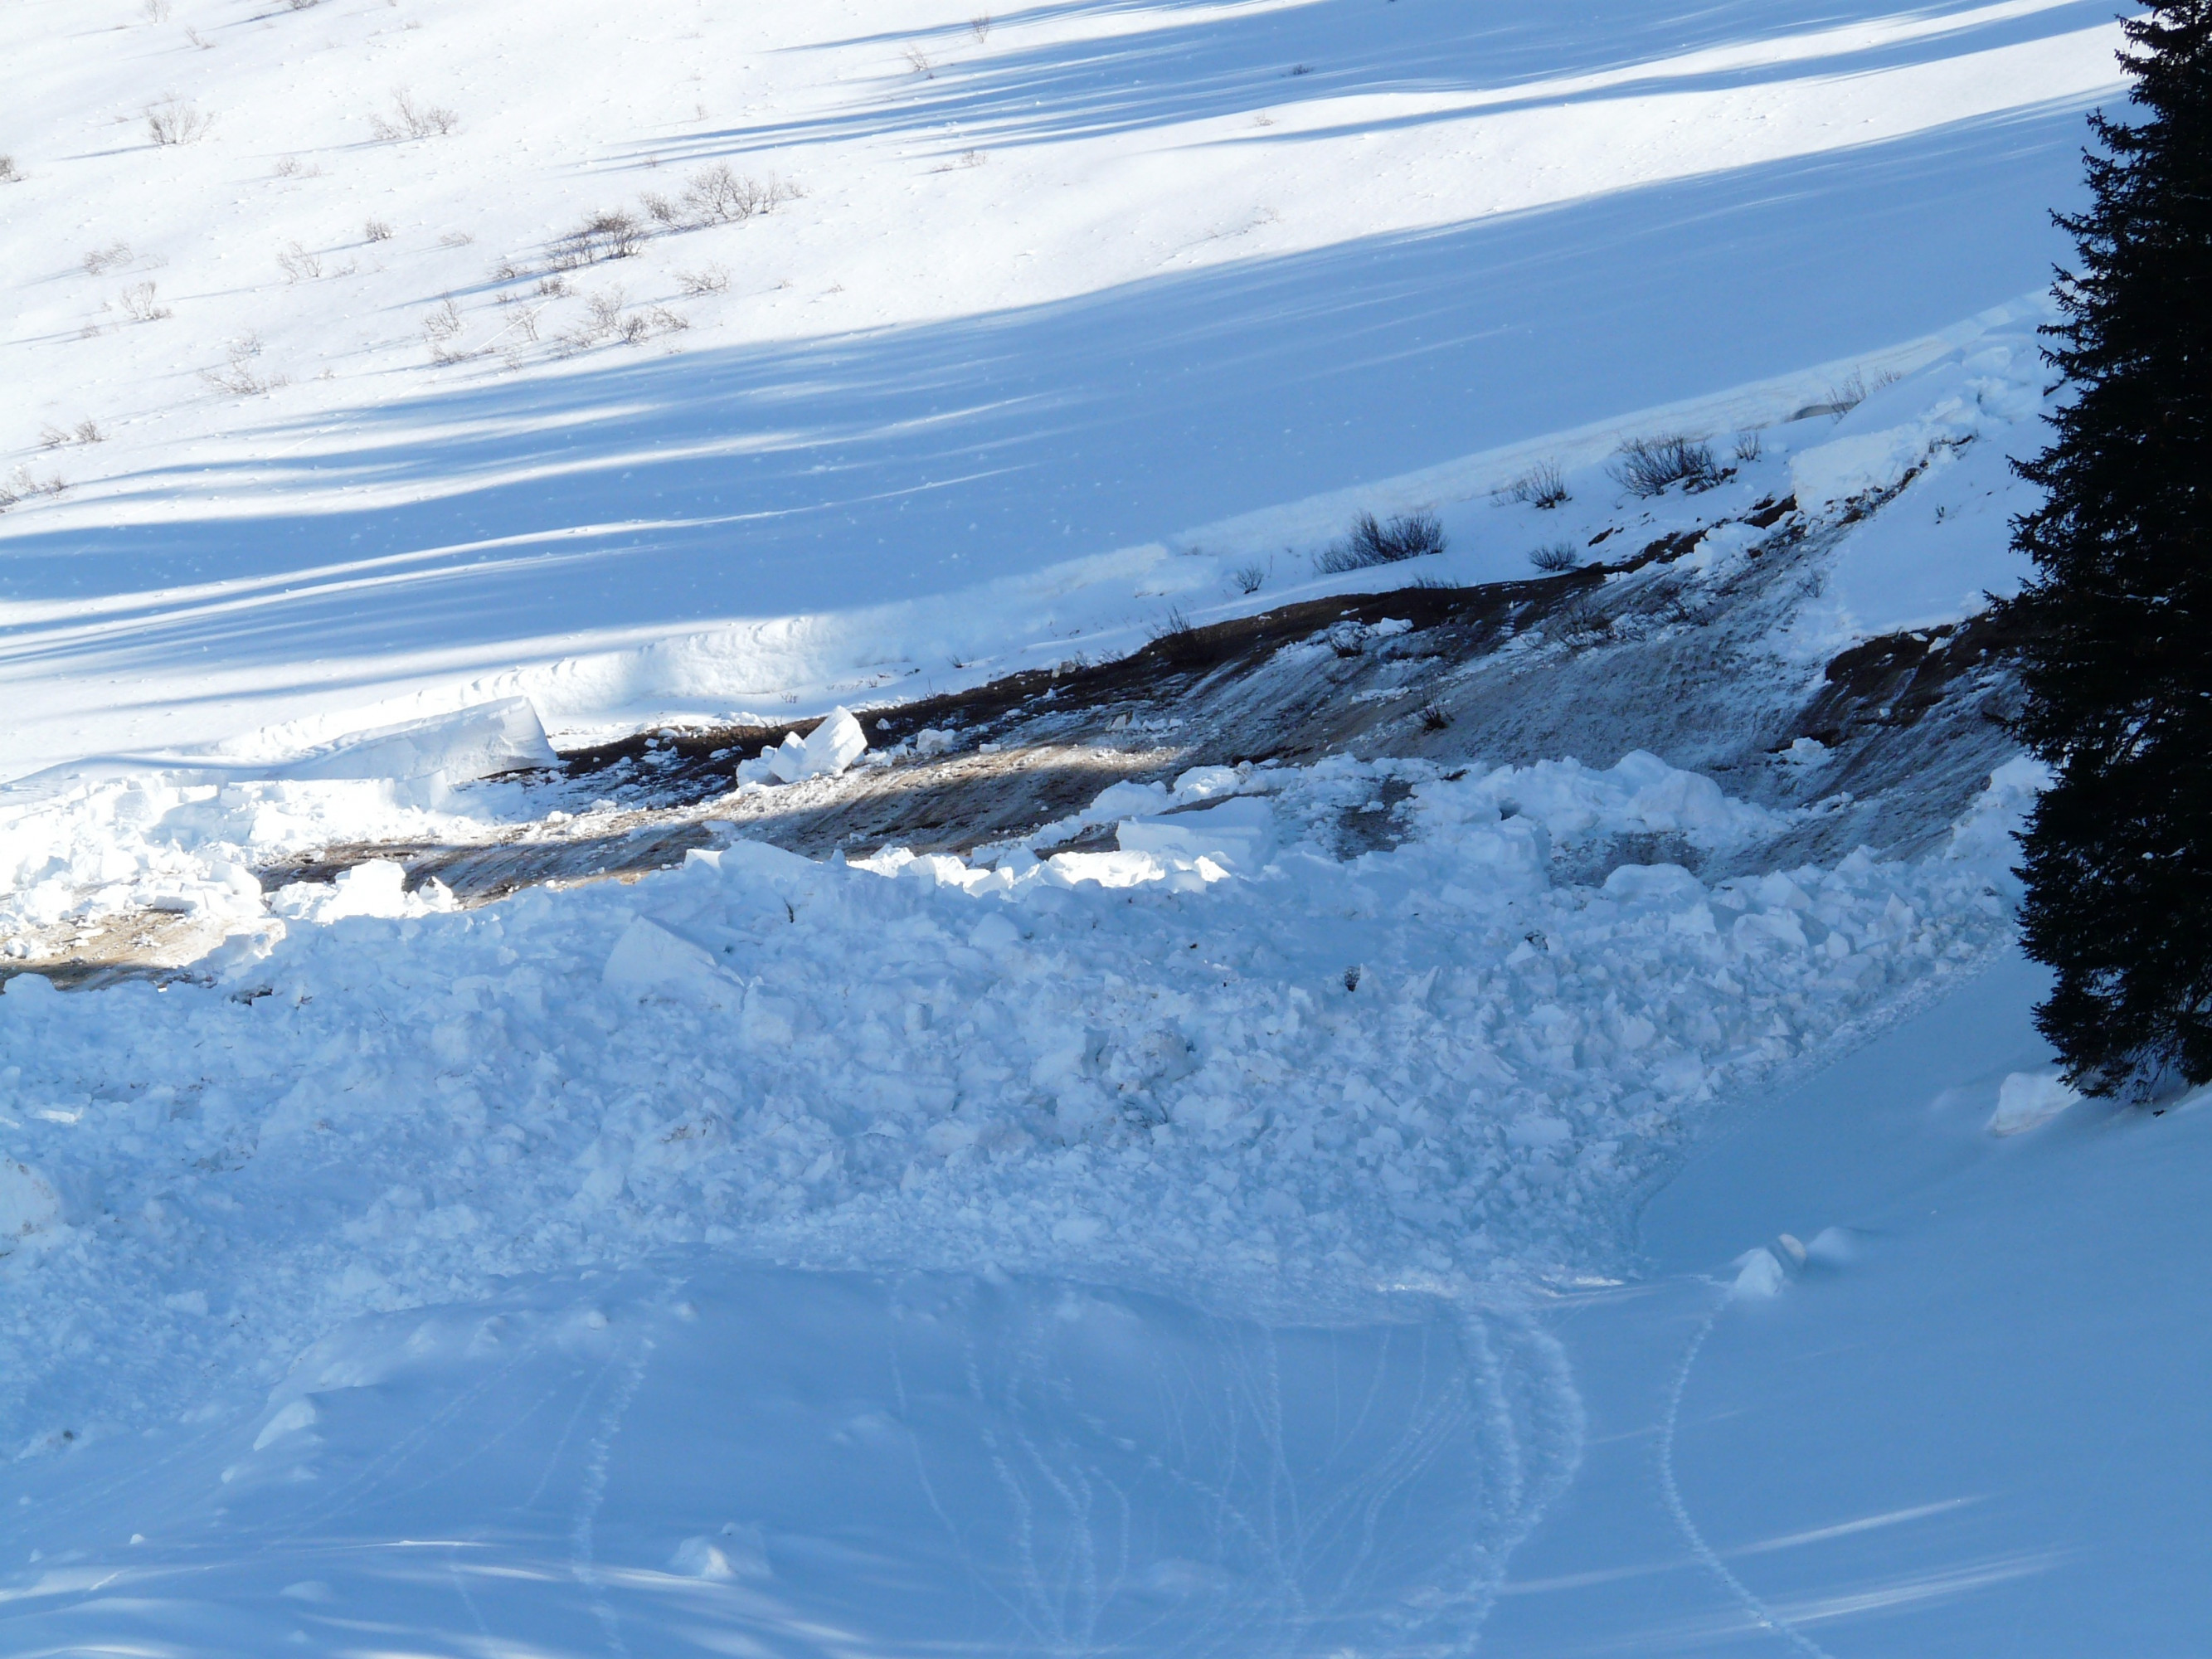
[376,230]
[1248,578]
[606,307]
[918,60]
[1540,486]
[721,195]
[8,174]
[443,324]
[175,120]
[661,209]
[614,234]
[51,436]
[237,375]
[20,485]
[88,432]
[101,260]
[553,288]
[1646,467]
[1434,717]
[298,265]
[194,36]
[714,279]
[155,11]
[662,320]
[1747,447]
[302,5]
[410,119]
[973,158]
[1370,542]
[1558,557]
[980,26]
[633,328]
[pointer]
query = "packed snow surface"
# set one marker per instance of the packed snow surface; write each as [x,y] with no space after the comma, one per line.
[1047,322]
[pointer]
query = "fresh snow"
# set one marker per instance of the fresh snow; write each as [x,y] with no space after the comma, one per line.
[1077,317]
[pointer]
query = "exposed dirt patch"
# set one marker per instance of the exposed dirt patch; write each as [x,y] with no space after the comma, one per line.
[1654,651]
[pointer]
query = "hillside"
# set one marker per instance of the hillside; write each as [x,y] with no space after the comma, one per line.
[742,915]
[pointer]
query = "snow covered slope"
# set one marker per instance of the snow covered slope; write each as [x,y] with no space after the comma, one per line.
[1075,314]
[1249,1215]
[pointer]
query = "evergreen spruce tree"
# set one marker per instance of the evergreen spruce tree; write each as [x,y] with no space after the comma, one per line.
[2118,853]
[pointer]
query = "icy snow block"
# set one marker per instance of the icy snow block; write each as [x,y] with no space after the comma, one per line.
[2025,1101]
[472,743]
[829,749]
[29,1202]
[648,957]
[1857,466]
[1239,833]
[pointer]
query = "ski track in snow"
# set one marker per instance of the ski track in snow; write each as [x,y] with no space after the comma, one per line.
[1708,1557]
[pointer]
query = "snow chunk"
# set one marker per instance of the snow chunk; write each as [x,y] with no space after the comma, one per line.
[29,1202]
[1859,465]
[2027,1101]
[648,957]
[829,749]
[475,743]
[1759,1276]
[1239,833]
[377,888]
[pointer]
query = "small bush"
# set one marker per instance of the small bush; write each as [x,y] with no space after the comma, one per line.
[1434,717]
[51,436]
[1248,578]
[156,11]
[107,259]
[553,288]
[614,234]
[443,324]
[298,265]
[1747,447]
[376,230]
[1540,486]
[918,60]
[1646,467]
[8,174]
[238,376]
[606,307]
[980,26]
[176,120]
[661,209]
[88,432]
[714,279]
[719,195]
[410,119]
[1559,557]
[1370,542]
